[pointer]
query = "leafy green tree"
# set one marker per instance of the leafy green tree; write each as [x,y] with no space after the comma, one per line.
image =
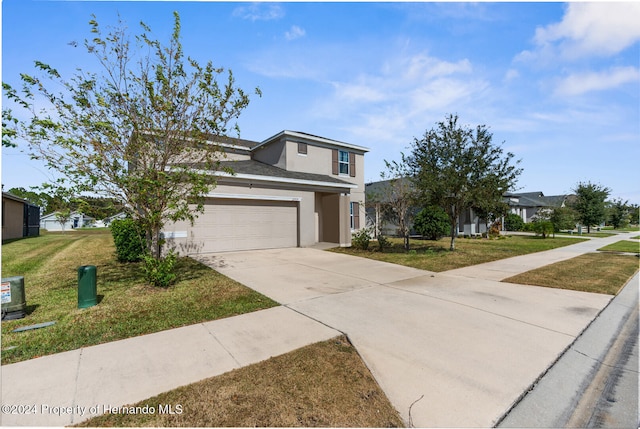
[143,130]
[9,122]
[634,214]
[63,217]
[619,213]
[458,168]
[40,199]
[432,223]
[563,218]
[590,203]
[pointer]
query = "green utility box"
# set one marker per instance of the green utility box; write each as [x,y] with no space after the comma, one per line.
[87,286]
[14,303]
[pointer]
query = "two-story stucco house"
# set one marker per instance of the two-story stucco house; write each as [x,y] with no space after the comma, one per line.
[291,190]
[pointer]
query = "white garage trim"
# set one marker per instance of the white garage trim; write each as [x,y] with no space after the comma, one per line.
[255,197]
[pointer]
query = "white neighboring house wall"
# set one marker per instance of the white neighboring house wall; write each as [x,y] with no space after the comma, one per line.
[76,220]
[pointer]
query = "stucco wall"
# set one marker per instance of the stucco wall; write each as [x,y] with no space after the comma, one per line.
[273,154]
[306,207]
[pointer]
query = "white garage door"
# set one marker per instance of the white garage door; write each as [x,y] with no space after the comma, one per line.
[230,224]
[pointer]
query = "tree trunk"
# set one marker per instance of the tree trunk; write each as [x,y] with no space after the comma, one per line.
[588,229]
[454,229]
[153,242]
[406,241]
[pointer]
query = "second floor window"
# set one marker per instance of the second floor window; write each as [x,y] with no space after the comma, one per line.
[343,162]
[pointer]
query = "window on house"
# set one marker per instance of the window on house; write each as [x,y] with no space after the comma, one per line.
[302,148]
[343,162]
[355,215]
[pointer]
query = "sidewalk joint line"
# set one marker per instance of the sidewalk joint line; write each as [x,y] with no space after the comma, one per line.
[314,319]
[222,345]
[75,387]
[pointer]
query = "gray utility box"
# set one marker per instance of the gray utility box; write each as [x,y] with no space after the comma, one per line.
[14,302]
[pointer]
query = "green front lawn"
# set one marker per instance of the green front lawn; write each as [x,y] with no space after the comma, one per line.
[622,246]
[591,272]
[630,228]
[127,306]
[435,255]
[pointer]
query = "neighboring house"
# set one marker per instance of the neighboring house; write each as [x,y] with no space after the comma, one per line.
[76,220]
[468,224]
[20,218]
[107,221]
[291,190]
[527,204]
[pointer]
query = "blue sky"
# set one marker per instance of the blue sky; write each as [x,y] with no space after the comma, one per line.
[558,83]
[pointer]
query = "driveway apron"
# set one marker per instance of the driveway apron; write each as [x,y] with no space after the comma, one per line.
[448,350]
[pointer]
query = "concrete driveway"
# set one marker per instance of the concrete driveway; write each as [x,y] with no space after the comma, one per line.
[448,350]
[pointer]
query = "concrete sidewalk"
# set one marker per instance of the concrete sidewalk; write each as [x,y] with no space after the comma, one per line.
[467,345]
[70,387]
[504,268]
[448,350]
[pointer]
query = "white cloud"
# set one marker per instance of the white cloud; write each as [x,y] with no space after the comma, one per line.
[294,33]
[358,92]
[577,84]
[259,12]
[406,79]
[588,29]
[407,90]
[511,74]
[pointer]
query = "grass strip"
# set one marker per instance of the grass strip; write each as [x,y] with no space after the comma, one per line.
[622,246]
[435,255]
[592,272]
[322,385]
[127,307]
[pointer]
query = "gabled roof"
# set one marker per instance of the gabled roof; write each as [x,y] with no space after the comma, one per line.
[310,138]
[537,199]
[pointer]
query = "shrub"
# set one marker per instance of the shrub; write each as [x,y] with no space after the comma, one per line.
[129,240]
[513,222]
[494,230]
[159,272]
[383,243]
[432,223]
[360,240]
[543,227]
